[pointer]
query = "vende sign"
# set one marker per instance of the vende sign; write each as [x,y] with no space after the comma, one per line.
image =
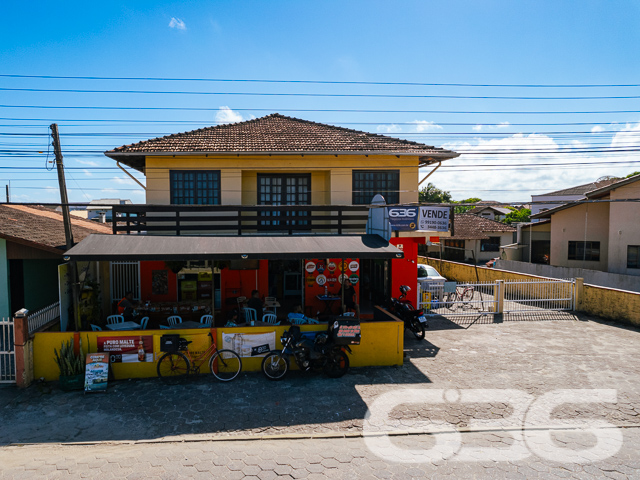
[408,218]
[434,219]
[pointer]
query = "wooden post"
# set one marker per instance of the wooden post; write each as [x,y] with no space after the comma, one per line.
[68,233]
[23,346]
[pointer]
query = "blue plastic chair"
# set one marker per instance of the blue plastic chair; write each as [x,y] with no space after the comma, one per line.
[206,319]
[271,318]
[112,319]
[174,320]
[143,323]
[297,318]
[250,314]
[164,327]
[95,328]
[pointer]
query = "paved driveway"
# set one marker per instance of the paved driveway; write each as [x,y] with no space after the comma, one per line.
[529,356]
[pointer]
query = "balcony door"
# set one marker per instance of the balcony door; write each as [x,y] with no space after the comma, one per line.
[291,189]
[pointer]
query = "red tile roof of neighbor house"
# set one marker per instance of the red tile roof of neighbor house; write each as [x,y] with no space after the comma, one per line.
[279,134]
[42,227]
[471,227]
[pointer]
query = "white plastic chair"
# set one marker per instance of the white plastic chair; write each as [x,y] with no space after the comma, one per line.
[112,319]
[271,318]
[267,301]
[206,319]
[250,314]
[174,320]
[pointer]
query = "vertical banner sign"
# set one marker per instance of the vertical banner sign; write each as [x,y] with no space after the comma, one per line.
[96,374]
[433,219]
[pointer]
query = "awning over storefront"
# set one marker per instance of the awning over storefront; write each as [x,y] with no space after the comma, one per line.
[158,247]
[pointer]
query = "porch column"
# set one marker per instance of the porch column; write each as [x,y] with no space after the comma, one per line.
[23,347]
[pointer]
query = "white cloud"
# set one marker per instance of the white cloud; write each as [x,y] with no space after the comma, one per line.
[226,115]
[425,126]
[177,23]
[388,128]
[477,128]
[88,162]
[597,128]
[503,125]
[87,173]
[123,181]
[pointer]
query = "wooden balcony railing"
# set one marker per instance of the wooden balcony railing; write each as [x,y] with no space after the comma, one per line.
[240,220]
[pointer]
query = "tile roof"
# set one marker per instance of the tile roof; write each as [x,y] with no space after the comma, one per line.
[500,210]
[581,189]
[277,133]
[472,227]
[42,227]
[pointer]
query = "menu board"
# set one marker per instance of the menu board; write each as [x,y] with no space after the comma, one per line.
[96,373]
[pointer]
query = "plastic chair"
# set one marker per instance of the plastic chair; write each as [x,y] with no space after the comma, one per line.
[164,327]
[268,300]
[111,319]
[206,319]
[143,323]
[297,318]
[95,328]
[349,314]
[241,301]
[174,320]
[250,315]
[271,318]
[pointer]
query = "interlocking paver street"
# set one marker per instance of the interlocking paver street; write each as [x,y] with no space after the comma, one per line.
[145,429]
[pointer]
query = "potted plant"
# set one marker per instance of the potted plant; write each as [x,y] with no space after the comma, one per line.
[71,366]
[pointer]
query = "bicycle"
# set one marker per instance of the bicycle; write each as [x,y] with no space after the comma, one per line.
[462,295]
[224,364]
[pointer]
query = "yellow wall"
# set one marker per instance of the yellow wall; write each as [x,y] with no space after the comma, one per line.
[618,305]
[609,303]
[382,345]
[331,175]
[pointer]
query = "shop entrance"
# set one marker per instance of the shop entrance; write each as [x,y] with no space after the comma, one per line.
[374,285]
[285,281]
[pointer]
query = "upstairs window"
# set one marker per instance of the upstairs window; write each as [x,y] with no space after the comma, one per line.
[368,183]
[589,251]
[195,187]
[633,256]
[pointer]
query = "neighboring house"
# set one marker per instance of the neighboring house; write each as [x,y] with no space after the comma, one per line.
[277,161]
[32,244]
[476,238]
[533,240]
[490,212]
[547,201]
[603,235]
[97,210]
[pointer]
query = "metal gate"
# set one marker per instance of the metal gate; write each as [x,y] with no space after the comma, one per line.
[125,277]
[459,299]
[535,295]
[7,351]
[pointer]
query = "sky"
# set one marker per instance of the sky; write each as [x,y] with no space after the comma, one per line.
[433,66]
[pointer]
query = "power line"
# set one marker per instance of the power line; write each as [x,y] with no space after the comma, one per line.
[326,110]
[318,95]
[321,82]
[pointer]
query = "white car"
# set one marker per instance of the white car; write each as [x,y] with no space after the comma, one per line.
[426,273]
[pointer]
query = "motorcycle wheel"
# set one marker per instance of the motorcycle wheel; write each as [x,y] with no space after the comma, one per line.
[337,364]
[417,329]
[275,365]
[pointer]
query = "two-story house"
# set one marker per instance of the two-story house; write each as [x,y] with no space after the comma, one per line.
[272,176]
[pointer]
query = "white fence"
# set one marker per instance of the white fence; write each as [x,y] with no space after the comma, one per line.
[522,296]
[43,316]
[7,353]
[485,298]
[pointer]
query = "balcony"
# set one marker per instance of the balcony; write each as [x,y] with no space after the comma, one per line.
[239,220]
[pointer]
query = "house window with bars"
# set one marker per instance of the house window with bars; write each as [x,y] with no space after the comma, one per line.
[195,187]
[368,183]
[293,189]
[491,244]
[633,256]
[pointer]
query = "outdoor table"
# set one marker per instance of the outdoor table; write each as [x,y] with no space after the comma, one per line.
[123,326]
[328,302]
[187,325]
[272,305]
[256,324]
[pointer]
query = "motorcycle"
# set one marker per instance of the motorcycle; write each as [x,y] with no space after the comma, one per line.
[311,351]
[414,320]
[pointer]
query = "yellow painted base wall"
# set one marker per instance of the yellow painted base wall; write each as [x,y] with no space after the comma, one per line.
[618,305]
[382,345]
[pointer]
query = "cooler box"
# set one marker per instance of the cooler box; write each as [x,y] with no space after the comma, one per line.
[189,296]
[205,290]
[345,331]
[189,285]
[170,343]
[205,277]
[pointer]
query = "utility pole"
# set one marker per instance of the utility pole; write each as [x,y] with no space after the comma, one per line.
[66,217]
[7,186]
